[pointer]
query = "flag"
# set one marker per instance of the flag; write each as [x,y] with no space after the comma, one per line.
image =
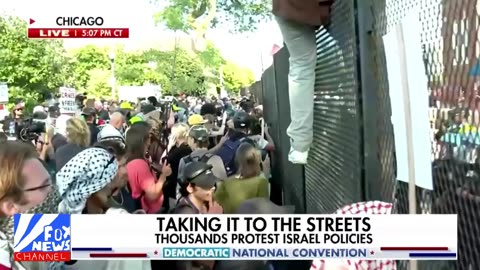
[275,49]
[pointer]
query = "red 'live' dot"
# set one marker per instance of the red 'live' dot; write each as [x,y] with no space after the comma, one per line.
[47,33]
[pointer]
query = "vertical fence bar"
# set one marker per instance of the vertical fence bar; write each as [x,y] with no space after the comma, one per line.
[368,102]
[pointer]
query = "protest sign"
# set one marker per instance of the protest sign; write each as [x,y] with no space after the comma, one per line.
[67,100]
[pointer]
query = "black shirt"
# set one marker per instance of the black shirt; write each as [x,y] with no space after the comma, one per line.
[173,158]
[103,114]
[94,130]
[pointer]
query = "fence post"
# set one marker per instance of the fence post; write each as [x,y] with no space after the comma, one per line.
[368,88]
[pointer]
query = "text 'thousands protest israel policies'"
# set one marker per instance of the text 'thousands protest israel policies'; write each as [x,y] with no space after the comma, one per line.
[62,237]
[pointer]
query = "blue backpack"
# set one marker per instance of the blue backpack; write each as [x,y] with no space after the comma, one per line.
[227,153]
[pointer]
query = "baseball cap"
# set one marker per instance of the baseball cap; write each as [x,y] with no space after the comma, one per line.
[147,108]
[262,206]
[199,133]
[196,119]
[200,174]
[126,106]
[241,119]
[38,108]
[88,111]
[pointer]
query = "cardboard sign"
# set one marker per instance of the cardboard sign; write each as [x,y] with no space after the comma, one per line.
[3,93]
[67,100]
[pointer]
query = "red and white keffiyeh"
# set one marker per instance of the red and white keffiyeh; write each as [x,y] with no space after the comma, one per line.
[371,207]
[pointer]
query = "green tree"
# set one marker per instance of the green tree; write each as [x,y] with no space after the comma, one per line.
[86,59]
[236,77]
[197,16]
[211,56]
[98,84]
[32,68]
[130,68]
[178,71]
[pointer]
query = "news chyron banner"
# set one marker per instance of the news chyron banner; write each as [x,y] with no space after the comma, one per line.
[79,20]
[60,237]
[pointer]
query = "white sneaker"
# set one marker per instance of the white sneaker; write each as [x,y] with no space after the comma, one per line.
[297,157]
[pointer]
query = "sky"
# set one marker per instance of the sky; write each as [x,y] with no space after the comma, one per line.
[250,50]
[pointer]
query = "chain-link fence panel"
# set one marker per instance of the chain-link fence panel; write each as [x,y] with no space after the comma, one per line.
[451,50]
[333,173]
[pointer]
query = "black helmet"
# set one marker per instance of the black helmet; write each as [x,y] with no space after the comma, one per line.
[200,174]
[241,120]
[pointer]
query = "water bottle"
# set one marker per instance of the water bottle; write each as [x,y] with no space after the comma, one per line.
[11,131]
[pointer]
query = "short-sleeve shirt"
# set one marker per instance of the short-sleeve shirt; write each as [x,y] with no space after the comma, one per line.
[140,177]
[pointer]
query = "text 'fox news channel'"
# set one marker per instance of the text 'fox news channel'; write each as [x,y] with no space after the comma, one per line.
[61,237]
[75,27]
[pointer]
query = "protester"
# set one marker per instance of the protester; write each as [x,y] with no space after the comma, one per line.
[13,124]
[156,148]
[196,189]
[25,187]
[198,142]
[85,184]
[78,138]
[227,146]
[297,21]
[248,183]
[103,114]
[89,114]
[176,150]
[114,128]
[145,187]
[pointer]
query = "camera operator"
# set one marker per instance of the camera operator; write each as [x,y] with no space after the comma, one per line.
[13,124]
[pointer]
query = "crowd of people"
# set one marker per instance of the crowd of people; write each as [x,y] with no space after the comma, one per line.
[186,156]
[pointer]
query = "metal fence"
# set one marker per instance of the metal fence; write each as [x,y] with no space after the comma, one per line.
[353,156]
[335,162]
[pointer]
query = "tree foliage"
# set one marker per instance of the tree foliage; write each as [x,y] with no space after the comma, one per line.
[86,59]
[98,84]
[197,16]
[34,68]
[236,77]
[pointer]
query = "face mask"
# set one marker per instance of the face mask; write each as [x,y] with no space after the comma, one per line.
[48,206]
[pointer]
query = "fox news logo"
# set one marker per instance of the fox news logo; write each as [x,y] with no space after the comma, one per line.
[41,237]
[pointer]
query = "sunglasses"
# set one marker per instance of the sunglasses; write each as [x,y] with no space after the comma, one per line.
[46,184]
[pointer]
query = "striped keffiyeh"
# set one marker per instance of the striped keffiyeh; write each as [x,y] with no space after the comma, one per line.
[362,208]
[88,172]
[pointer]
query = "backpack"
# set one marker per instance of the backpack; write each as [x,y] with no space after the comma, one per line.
[227,153]
[189,159]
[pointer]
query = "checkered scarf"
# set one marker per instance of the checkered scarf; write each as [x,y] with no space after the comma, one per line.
[48,206]
[88,172]
[368,208]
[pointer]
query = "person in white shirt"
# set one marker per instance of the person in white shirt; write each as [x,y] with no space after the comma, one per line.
[114,128]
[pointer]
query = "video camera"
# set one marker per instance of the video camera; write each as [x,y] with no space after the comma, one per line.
[80,99]
[33,127]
